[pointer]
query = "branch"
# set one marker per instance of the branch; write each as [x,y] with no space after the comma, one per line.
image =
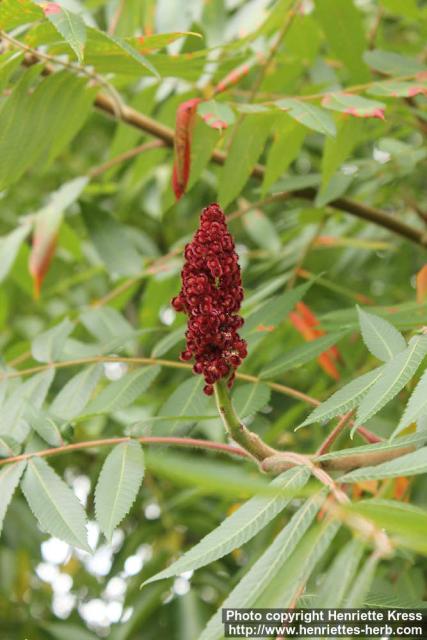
[108,442]
[281,388]
[113,106]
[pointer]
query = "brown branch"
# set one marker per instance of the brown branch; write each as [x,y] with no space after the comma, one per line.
[108,442]
[112,105]
[122,157]
[325,446]
[365,212]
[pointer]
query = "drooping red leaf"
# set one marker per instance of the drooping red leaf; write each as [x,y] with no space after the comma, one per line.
[183,133]
[422,285]
[45,237]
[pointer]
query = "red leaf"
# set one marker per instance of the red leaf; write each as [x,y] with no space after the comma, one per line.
[51,7]
[232,78]
[422,285]
[45,237]
[305,322]
[375,113]
[212,121]
[183,131]
[401,485]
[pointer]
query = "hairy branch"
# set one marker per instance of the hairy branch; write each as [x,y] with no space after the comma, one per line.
[109,442]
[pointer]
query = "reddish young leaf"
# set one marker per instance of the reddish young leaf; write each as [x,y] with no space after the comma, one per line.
[232,78]
[183,132]
[45,236]
[422,285]
[50,8]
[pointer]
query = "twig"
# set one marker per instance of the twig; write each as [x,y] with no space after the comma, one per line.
[325,446]
[108,442]
[116,17]
[281,388]
[126,155]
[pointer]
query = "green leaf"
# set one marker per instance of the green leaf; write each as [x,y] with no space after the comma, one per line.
[354,105]
[416,407]
[309,115]
[409,465]
[122,393]
[68,631]
[394,376]
[405,522]
[188,399]
[118,485]
[336,187]
[47,346]
[336,150]
[240,527]
[14,14]
[10,476]
[55,506]
[273,311]
[38,124]
[106,324]
[362,583]
[9,247]
[381,337]
[69,25]
[109,53]
[243,154]
[75,395]
[345,398]
[34,390]
[208,476]
[266,568]
[44,425]
[8,447]
[343,27]
[250,398]
[217,115]
[392,63]
[203,142]
[288,138]
[340,576]
[112,243]
[301,355]
[261,230]
[395,89]
[168,342]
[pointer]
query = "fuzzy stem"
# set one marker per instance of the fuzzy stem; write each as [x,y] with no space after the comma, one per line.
[248,440]
[108,442]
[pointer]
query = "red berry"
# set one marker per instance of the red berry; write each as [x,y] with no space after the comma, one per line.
[211,295]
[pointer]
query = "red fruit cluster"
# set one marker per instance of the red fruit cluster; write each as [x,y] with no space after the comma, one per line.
[211,295]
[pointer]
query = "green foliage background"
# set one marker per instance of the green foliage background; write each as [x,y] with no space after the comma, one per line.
[315,194]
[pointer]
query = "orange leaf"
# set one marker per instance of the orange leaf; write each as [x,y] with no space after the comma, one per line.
[422,285]
[183,132]
[45,237]
[401,485]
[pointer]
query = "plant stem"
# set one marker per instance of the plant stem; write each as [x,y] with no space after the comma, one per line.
[248,440]
[328,442]
[108,442]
